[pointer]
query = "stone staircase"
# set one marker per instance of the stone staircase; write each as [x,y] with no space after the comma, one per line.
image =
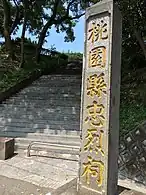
[47,112]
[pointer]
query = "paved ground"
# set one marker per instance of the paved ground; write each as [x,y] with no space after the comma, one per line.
[35,173]
[39,176]
[70,189]
[17,187]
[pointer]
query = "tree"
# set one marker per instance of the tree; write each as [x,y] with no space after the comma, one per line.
[11,17]
[63,15]
[7,27]
[39,16]
[25,5]
[134,31]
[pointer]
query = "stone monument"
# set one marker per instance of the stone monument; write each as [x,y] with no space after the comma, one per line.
[98,172]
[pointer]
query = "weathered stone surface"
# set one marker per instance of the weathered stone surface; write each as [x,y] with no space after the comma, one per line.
[6,148]
[100,100]
[131,192]
[42,172]
[9,186]
[71,189]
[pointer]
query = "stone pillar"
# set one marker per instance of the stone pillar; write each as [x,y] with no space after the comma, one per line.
[100,100]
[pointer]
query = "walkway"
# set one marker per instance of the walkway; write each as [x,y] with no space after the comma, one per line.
[38,173]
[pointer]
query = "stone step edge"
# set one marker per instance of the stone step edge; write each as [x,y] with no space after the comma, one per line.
[61,143]
[64,189]
[49,141]
[135,187]
[44,135]
[51,132]
[56,149]
[70,157]
[18,129]
[45,145]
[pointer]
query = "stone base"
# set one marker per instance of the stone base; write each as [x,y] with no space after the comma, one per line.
[6,148]
[71,189]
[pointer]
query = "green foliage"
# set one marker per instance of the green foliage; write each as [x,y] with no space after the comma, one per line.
[131,115]
[74,56]
[134,32]
[14,77]
[133,100]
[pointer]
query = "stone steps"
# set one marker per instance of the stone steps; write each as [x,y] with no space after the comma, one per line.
[49,94]
[25,98]
[51,138]
[53,108]
[41,128]
[34,120]
[23,134]
[48,108]
[64,114]
[27,107]
[40,96]
[44,103]
[36,115]
[53,91]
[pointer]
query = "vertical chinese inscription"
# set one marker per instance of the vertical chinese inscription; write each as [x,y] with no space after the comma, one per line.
[95,94]
[98,31]
[100,100]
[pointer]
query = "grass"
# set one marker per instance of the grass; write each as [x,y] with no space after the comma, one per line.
[133,102]
[131,115]
[16,76]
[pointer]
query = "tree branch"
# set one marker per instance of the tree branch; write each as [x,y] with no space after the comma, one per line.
[138,37]
[77,16]
[55,10]
[67,16]
[17,18]
[68,7]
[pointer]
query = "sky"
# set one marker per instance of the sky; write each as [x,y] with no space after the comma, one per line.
[57,39]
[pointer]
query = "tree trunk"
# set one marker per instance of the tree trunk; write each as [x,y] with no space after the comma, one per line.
[39,46]
[140,41]
[23,34]
[138,37]
[17,18]
[7,36]
[22,44]
[41,41]
[44,30]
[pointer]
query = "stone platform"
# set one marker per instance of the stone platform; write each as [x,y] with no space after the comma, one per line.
[71,189]
[10,186]
[42,172]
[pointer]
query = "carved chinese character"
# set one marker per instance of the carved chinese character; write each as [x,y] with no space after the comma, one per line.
[98,31]
[97,57]
[93,169]
[96,85]
[94,141]
[95,114]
